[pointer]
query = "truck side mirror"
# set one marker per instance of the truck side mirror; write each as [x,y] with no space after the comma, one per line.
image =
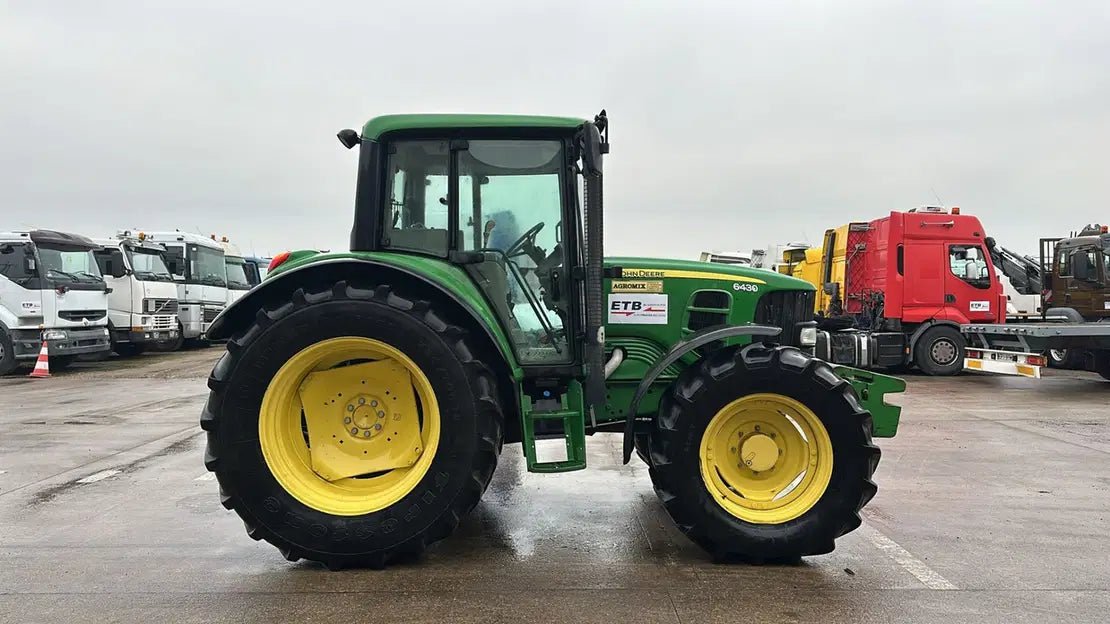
[28,264]
[830,288]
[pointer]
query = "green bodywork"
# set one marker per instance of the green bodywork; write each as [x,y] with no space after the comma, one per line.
[680,281]
[651,306]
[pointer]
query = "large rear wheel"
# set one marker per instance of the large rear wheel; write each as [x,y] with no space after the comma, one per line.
[763,453]
[352,426]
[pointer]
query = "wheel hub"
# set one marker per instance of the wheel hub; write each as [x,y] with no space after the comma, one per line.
[944,352]
[365,417]
[759,452]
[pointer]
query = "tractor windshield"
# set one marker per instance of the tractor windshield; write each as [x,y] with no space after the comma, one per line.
[510,207]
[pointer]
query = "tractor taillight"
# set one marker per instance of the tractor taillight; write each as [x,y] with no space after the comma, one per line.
[278,259]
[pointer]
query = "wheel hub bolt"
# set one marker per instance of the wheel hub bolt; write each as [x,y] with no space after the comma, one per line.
[374,403]
[361,401]
[381,414]
[347,420]
[366,433]
[354,430]
[350,408]
[378,426]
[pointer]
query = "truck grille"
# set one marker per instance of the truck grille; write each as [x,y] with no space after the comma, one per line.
[164,321]
[160,306]
[82,315]
[785,309]
[210,314]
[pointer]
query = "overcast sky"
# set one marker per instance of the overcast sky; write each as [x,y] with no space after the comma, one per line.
[734,124]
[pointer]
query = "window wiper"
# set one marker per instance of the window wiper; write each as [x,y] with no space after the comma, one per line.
[95,278]
[71,276]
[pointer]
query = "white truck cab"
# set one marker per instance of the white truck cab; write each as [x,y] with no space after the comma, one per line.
[238,282]
[50,290]
[142,307]
[197,265]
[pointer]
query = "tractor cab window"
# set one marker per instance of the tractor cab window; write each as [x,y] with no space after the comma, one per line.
[416,213]
[510,209]
[969,264]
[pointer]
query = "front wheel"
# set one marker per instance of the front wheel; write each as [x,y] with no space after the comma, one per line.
[940,351]
[1102,363]
[127,349]
[352,426]
[762,453]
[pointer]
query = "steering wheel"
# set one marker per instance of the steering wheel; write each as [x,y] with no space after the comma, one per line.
[525,243]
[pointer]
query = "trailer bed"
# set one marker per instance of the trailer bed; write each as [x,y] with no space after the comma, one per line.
[1038,337]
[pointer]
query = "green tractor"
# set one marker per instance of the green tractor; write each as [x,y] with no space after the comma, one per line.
[364,397]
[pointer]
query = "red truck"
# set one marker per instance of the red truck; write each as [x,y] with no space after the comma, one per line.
[895,291]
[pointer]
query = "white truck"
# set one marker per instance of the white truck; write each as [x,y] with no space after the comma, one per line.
[50,290]
[197,265]
[238,282]
[142,307]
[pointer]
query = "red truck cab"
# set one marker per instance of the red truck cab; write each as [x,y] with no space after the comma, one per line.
[937,267]
[902,285]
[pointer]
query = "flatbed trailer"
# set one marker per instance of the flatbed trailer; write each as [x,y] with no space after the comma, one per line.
[1020,348]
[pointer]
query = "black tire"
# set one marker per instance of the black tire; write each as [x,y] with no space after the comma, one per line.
[725,375]
[940,351]
[128,349]
[470,436]
[1067,359]
[60,362]
[8,363]
[176,343]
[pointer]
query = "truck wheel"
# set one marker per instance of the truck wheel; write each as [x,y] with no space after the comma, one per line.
[1069,359]
[352,426]
[8,363]
[61,362]
[940,351]
[762,453]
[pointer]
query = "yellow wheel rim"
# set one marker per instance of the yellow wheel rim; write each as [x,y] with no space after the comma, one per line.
[349,426]
[766,458]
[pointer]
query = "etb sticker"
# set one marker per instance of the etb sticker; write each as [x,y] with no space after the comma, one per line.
[637,309]
[980,306]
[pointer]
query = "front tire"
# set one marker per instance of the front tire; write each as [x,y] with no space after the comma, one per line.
[940,351]
[727,495]
[127,349]
[8,363]
[270,475]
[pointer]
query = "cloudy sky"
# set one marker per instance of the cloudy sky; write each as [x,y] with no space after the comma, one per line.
[734,124]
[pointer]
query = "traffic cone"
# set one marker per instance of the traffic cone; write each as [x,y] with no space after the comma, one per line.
[42,365]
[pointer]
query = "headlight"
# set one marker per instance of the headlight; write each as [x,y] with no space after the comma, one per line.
[808,337]
[54,334]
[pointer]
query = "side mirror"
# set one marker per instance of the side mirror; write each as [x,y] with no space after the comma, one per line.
[831,288]
[28,264]
[593,147]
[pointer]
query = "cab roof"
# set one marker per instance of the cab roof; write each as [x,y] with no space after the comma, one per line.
[378,126]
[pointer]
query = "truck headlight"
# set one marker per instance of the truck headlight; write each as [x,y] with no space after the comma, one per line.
[54,334]
[807,337]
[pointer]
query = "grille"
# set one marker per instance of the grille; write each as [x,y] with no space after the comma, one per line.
[82,315]
[785,309]
[160,306]
[210,314]
[164,321]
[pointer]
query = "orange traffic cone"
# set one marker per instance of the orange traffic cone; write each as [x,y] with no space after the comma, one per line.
[42,366]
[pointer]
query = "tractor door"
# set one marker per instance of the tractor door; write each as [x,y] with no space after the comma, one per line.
[497,208]
[969,285]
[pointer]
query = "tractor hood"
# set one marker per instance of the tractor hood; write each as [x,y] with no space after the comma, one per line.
[661,268]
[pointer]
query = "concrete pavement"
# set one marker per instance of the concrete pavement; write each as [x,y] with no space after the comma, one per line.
[992,507]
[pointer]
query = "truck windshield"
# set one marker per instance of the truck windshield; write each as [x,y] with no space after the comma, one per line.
[236,275]
[206,266]
[69,265]
[148,265]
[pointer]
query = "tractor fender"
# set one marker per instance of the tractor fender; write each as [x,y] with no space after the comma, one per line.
[693,341]
[924,327]
[281,286]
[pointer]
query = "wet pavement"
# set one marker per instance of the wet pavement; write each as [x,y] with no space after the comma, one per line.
[992,507]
